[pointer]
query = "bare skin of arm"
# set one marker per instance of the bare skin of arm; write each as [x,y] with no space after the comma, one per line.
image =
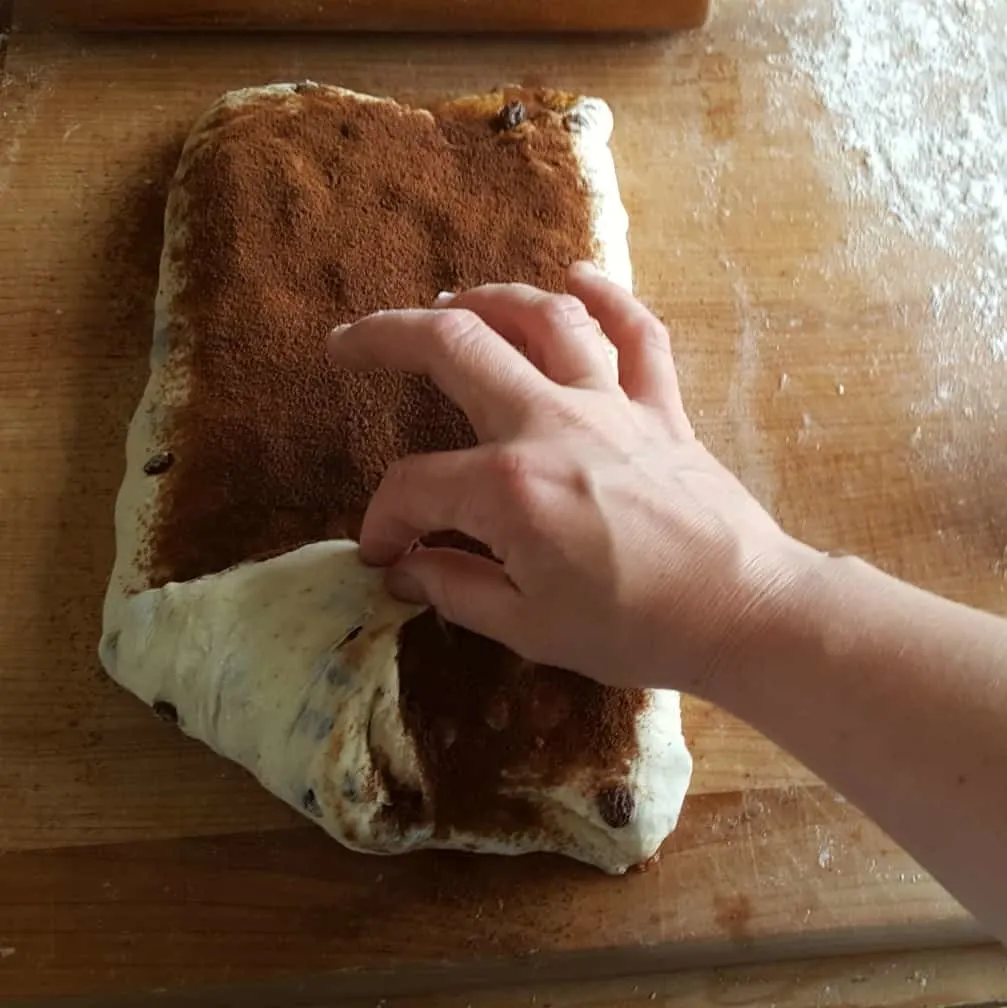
[624,545]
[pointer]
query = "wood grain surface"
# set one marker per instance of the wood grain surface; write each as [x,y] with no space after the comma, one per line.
[931,979]
[135,859]
[365,15]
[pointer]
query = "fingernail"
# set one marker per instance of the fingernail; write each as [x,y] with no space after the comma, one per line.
[587,268]
[405,587]
[443,299]
[338,331]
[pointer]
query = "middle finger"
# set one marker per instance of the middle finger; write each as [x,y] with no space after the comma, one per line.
[555,330]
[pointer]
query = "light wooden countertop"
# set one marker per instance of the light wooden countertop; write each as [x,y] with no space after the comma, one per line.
[134,859]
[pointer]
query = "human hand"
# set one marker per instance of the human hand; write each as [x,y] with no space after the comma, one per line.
[626,551]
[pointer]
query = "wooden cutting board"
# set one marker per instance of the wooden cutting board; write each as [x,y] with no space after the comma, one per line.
[135,859]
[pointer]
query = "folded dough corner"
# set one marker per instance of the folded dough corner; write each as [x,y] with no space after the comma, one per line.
[288,667]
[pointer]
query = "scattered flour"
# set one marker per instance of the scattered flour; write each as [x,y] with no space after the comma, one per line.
[826,850]
[916,99]
[913,89]
[918,93]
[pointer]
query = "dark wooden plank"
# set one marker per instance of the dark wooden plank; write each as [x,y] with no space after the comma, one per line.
[365,15]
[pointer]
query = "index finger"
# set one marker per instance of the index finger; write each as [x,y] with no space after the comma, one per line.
[472,365]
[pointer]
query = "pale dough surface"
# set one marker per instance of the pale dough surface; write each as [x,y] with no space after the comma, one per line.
[265,662]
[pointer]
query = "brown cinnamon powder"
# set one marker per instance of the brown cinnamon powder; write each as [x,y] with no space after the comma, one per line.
[315,209]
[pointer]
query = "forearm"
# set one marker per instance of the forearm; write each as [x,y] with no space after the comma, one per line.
[899,700]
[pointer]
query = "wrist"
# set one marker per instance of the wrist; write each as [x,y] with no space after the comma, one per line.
[796,590]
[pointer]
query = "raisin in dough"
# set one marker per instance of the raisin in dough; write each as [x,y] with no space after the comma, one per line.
[288,665]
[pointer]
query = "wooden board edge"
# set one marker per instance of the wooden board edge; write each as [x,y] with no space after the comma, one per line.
[411,983]
[425,16]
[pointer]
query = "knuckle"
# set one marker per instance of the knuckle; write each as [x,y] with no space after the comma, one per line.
[399,472]
[514,489]
[570,412]
[456,330]
[651,334]
[403,481]
[561,310]
[511,468]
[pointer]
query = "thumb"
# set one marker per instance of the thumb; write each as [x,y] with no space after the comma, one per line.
[469,590]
